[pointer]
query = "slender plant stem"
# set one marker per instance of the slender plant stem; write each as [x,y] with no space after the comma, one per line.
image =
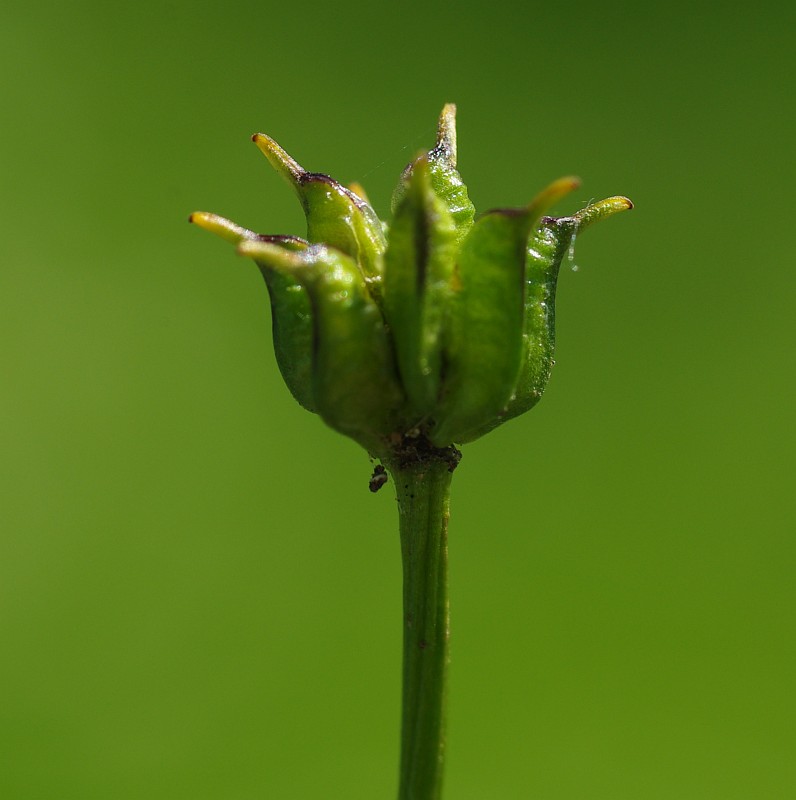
[423,491]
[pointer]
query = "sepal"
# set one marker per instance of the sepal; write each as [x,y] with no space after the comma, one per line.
[336,216]
[291,315]
[484,341]
[354,377]
[418,276]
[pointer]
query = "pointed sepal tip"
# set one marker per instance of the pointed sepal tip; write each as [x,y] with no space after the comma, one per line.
[445,146]
[551,194]
[280,160]
[600,210]
[221,226]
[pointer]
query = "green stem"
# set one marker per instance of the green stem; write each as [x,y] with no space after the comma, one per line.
[423,491]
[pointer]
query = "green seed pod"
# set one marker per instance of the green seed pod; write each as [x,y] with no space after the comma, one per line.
[429,340]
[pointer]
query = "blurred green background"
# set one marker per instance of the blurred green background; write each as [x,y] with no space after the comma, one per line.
[199,598]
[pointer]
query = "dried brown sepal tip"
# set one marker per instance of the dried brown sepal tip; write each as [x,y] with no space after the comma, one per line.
[445,147]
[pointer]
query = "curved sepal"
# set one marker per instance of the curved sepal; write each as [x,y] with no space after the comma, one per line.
[482,352]
[336,216]
[418,270]
[546,251]
[354,378]
[547,248]
[291,318]
[291,315]
[484,343]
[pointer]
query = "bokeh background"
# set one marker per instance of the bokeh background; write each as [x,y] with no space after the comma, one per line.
[199,598]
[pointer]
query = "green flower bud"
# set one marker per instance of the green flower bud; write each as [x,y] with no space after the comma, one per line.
[431,335]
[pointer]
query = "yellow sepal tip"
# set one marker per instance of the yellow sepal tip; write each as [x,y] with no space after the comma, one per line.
[601,210]
[279,159]
[220,226]
[550,195]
